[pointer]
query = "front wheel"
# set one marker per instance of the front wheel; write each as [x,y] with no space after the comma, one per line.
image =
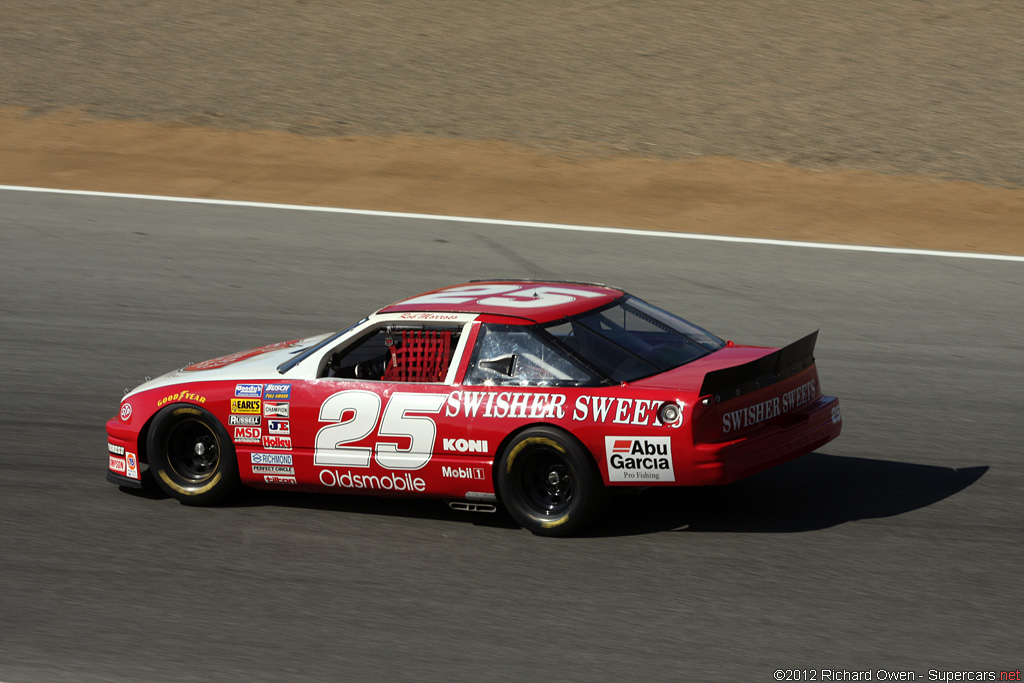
[191,455]
[548,482]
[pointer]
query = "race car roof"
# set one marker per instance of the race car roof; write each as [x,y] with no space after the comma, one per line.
[537,300]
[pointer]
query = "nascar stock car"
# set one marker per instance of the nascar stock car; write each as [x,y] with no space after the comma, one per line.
[538,396]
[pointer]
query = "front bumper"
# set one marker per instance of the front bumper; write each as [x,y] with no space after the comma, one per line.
[122,480]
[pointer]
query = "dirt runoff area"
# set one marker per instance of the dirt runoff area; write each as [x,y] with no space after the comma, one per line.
[712,195]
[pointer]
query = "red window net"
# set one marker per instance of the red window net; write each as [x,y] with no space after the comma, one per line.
[423,356]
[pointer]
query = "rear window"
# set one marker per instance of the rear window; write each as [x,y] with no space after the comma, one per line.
[632,339]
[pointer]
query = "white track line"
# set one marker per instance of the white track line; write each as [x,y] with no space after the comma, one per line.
[530,224]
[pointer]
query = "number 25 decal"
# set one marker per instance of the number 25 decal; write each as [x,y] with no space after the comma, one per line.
[362,408]
[512,296]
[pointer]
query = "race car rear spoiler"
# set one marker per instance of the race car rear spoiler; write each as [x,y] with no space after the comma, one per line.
[729,383]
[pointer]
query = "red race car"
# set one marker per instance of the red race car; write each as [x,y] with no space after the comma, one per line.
[540,396]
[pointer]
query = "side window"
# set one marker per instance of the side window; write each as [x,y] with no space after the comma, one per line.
[395,354]
[515,355]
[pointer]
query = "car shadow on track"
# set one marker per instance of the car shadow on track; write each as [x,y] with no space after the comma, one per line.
[814,492]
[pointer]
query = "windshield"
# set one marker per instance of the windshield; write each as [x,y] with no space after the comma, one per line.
[632,339]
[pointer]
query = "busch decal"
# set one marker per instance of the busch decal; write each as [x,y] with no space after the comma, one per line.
[278,392]
[639,459]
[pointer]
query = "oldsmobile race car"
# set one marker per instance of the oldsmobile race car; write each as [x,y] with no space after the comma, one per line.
[538,396]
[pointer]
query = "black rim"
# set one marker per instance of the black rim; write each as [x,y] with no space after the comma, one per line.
[193,450]
[546,482]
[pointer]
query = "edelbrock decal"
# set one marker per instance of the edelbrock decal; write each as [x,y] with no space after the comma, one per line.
[639,459]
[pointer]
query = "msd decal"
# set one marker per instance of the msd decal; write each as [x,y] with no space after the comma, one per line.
[248,390]
[247,435]
[278,392]
[117,464]
[131,465]
[245,405]
[639,459]
[282,443]
[279,427]
[275,409]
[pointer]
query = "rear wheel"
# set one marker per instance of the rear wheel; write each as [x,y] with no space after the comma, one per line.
[191,455]
[549,483]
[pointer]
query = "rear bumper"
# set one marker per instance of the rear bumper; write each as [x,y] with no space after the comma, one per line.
[726,463]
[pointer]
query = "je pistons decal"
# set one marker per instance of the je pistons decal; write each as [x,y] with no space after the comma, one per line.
[639,459]
[246,405]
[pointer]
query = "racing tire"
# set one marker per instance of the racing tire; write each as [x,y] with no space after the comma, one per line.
[549,483]
[191,455]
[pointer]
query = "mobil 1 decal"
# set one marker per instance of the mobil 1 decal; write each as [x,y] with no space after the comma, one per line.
[639,459]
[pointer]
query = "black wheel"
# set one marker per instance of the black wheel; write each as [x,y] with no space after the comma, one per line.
[548,482]
[191,455]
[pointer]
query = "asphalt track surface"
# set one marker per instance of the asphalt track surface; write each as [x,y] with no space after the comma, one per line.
[896,547]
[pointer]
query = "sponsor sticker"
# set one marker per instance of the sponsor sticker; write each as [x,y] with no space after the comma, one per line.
[465,445]
[244,420]
[283,443]
[115,449]
[248,390]
[277,479]
[126,411]
[383,482]
[270,458]
[272,469]
[275,409]
[180,396]
[132,465]
[278,392]
[245,405]
[117,464]
[279,427]
[462,472]
[247,435]
[639,459]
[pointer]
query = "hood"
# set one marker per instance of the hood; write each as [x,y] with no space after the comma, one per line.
[254,364]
